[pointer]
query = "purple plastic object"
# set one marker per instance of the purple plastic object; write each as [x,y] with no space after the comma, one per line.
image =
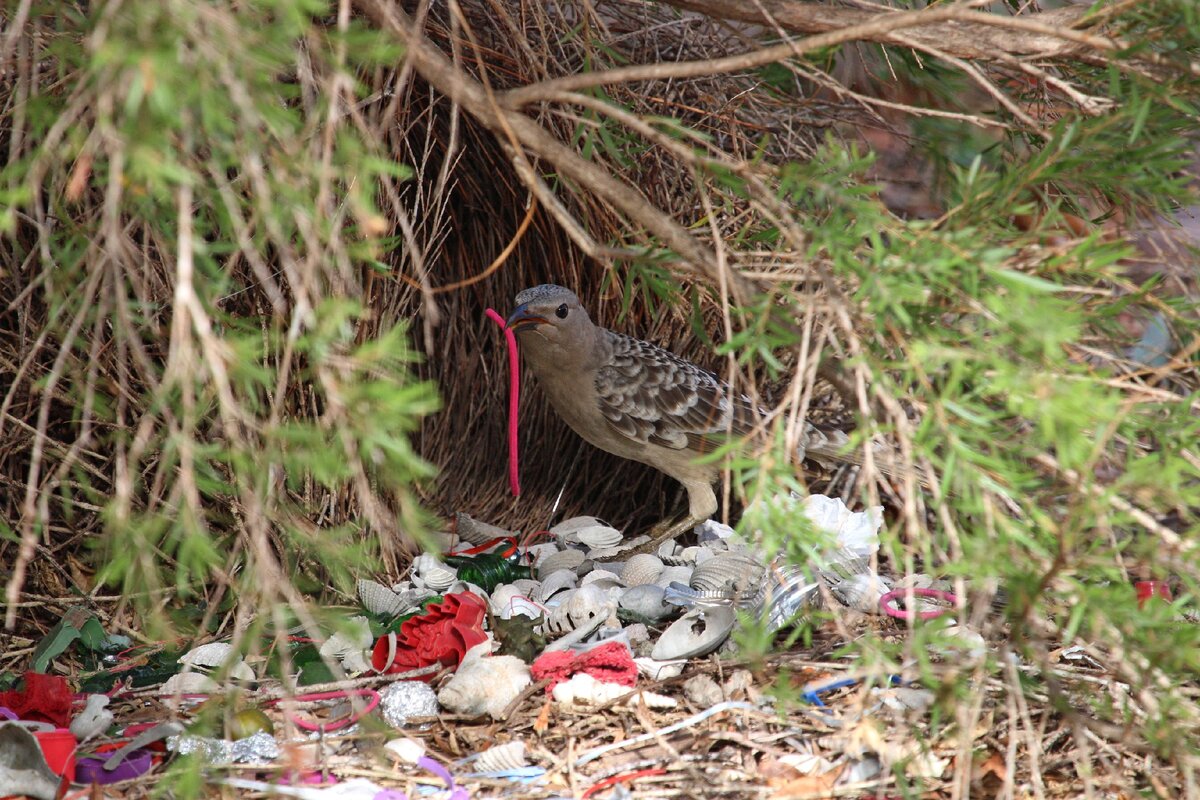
[7,713]
[390,794]
[91,770]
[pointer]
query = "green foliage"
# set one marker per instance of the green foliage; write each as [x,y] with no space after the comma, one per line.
[249,383]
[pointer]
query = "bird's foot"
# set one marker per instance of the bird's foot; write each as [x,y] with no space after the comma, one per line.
[662,532]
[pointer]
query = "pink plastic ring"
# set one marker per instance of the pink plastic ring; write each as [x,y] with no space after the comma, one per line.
[889,600]
[303,724]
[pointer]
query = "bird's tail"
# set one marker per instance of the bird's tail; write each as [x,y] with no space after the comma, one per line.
[831,447]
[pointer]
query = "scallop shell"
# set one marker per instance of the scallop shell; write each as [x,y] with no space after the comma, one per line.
[602,577]
[485,685]
[502,757]
[696,633]
[528,586]
[582,607]
[599,536]
[671,575]
[379,599]
[433,572]
[730,572]
[641,569]
[563,559]
[537,553]
[555,582]
[476,532]
[575,524]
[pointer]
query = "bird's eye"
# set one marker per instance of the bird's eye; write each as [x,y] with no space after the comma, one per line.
[561,311]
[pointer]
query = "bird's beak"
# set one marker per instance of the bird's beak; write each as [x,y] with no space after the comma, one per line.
[521,318]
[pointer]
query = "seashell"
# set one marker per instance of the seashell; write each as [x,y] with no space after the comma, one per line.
[502,757]
[508,601]
[188,683]
[575,524]
[659,670]
[646,602]
[584,606]
[528,586]
[642,569]
[585,690]
[555,582]
[599,536]
[476,532]
[433,572]
[563,559]
[408,751]
[671,575]
[602,578]
[728,572]
[379,599]
[696,554]
[537,552]
[668,549]
[696,633]
[484,684]
[215,656]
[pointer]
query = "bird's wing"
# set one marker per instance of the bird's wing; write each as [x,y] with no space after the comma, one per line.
[650,395]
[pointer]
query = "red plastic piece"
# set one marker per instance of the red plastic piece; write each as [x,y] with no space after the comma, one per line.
[1150,589]
[58,746]
[514,400]
[611,662]
[442,635]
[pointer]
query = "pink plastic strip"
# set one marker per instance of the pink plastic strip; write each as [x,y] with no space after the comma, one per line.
[889,600]
[514,396]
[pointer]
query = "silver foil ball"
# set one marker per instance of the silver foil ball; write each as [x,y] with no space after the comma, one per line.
[405,699]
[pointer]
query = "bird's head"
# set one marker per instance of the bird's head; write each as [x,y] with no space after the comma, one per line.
[551,318]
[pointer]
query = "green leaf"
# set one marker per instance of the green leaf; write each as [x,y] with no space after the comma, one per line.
[54,644]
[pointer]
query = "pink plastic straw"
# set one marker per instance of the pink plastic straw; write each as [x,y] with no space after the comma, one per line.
[514,395]
[888,603]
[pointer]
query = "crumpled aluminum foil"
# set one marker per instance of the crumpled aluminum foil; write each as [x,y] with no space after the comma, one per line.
[405,699]
[261,747]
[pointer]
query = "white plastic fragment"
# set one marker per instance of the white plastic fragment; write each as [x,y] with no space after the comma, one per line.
[407,750]
[94,719]
[584,690]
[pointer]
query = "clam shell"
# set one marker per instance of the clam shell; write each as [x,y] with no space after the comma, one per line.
[603,578]
[696,633]
[582,607]
[476,532]
[502,757]
[575,524]
[642,569]
[555,582]
[599,536]
[433,572]
[537,553]
[379,599]
[730,572]
[671,575]
[563,559]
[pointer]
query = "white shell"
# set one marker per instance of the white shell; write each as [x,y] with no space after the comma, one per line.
[602,578]
[642,568]
[555,582]
[484,684]
[502,757]
[476,532]
[563,559]
[659,670]
[188,683]
[537,553]
[379,599]
[599,536]
[433,572]
[675,575]
[583,606]
[729,572]
[696,633]
[213,654]
[574,525]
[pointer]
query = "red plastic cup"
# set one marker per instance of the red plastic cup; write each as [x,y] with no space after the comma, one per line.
[1150,589]
[58,746]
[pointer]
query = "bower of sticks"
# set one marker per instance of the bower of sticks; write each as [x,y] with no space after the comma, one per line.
[519,177]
